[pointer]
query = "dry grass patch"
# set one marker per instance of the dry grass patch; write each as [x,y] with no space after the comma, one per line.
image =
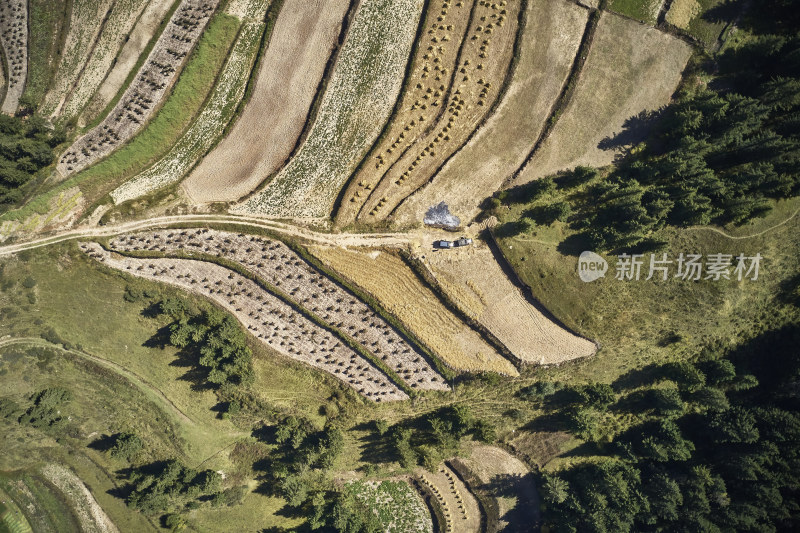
[272,321]
[91,516]
[277,264]
[681,13]
[480,71]
[290,72]
[630,68]
[421,103]
[358,101]
[14,41]
[549,44]
[399,290]
[473,278]
[459,506]
[147,92]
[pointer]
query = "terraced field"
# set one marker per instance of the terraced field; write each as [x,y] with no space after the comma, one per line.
[281,267]
[359,99]
[482,64]
[399,508]
[399,290]
[630,68]
[114,29]
[549,43]
[14,43]
[460,508]
[136,42]
[305,35]
[210,123]
[147,92]
[475,281]
[270,319]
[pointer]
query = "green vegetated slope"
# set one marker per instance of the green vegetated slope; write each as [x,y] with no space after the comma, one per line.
[47,21]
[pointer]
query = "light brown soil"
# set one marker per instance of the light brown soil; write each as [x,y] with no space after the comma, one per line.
[267,131]
[274,322]
[630,68]
[14,40]
[147,92]
[481,69]
[399,290]
[509,481]
[461,511]
[141,34]
[472,277]
[550,42]
[280,266]
[91,516]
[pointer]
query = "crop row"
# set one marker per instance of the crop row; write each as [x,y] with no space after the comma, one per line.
[278,265]
[14,40]
[146,92]
[272,321]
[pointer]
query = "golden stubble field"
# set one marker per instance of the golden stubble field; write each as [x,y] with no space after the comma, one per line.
[387,278]
[549,43]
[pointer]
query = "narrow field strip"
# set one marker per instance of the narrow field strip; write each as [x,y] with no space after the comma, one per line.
[148,91]
[439,44]
[118,25]
[14,41]
[288,77]
[84,26]
[550,41]
[483,63]
[272,321]
[90,515]
[278,265]
[208,126]
[137,40]
[630,68]
[388,279]
[476,282]
[359,98]
[460,508]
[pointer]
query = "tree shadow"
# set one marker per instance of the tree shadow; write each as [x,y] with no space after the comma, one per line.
[104,442]
[160,339]
[575,244]
[635,130]
[639,377]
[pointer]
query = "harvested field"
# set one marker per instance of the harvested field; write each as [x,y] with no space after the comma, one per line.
[304,36]
[475,281]
[439,46]
[482,66]
[91,516]
[509,482]
[460,508]
[681,13]
[210,123]
[630,68]
[549,44]
[82,33]
[150,87]
[14,41]
[134,47]
[358,101]
[398,507]
[274,322]
[279,265]
[399,290]
[119,23]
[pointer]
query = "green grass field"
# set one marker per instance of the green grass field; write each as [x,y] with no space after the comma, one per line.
[643,10]
[45,20]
